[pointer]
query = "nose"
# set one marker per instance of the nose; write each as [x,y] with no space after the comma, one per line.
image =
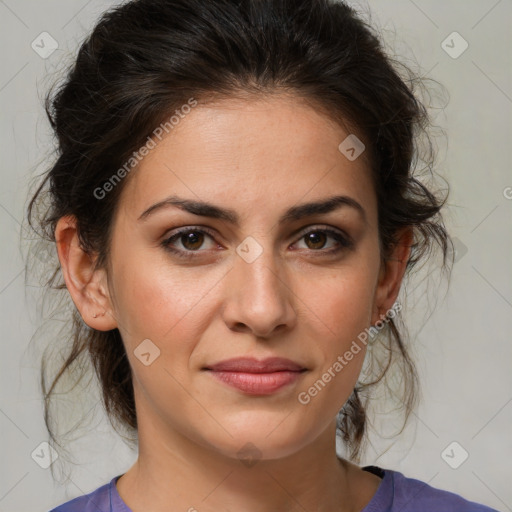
[259,299]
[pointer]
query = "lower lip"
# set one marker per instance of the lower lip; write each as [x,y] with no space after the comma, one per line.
[257,383]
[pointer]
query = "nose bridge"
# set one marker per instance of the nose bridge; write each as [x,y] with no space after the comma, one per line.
[258,295]
[261,275]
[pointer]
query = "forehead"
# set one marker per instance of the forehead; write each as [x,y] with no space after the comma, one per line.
[250,152]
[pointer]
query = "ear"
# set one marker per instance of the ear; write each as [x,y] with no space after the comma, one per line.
[391,273]
[88,287]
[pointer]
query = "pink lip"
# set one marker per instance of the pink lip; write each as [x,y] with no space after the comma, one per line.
[252,365]
[257,377]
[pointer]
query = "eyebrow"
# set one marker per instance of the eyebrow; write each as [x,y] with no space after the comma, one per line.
[205,209]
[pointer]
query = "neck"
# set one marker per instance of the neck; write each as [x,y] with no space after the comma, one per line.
[174,471]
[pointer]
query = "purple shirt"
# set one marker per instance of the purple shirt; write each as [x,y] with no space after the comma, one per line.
[396,493]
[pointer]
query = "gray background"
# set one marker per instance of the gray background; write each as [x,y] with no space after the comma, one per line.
[463,349]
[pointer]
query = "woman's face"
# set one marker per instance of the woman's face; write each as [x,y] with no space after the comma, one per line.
[267,278]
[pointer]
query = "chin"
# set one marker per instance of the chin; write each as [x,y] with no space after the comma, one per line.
[259,439]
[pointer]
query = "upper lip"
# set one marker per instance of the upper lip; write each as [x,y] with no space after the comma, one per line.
[252,365]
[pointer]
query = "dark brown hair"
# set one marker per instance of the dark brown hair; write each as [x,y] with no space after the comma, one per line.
[146,58]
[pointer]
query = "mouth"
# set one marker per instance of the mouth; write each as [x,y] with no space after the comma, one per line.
[257,377]
[252,365]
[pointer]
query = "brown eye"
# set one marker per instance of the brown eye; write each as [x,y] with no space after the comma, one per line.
[185,242]
[315,239]
[192,240]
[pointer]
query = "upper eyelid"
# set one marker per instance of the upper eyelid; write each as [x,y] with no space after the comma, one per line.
[320,227]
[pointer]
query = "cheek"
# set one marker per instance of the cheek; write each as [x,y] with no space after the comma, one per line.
[339,301]
[162,303]
[338,307]
[340,310]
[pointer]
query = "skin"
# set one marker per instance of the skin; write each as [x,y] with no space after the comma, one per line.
[257,157]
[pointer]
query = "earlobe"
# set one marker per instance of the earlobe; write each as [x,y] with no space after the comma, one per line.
[86,285]
[391,274]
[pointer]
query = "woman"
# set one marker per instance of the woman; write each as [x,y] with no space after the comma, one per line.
[234,208]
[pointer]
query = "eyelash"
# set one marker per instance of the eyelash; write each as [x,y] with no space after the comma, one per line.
[344,241]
